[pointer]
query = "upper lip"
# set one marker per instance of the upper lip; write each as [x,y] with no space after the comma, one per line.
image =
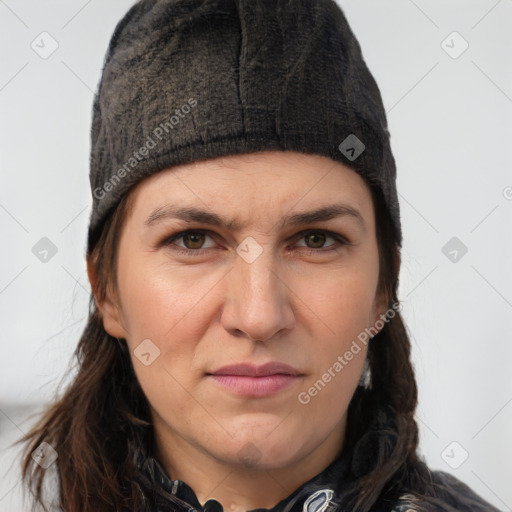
[250,370]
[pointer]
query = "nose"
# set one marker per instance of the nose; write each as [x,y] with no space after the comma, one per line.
[258,297]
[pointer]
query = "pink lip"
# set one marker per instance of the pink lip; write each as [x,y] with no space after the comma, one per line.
[246,369]
[256,381]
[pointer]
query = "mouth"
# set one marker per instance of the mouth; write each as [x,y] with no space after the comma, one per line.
[256,381]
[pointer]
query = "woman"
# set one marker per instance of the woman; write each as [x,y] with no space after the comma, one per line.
[244,348]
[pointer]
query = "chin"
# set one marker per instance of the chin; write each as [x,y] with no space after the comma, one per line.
[258,450]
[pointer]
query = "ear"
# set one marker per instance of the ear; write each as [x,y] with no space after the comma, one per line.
[108,309]
[380,306]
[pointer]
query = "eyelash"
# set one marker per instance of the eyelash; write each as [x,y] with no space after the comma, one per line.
[198,252]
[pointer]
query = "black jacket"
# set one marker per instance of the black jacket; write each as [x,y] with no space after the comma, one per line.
[319,495]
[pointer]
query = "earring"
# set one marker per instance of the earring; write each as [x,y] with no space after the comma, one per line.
[364,380]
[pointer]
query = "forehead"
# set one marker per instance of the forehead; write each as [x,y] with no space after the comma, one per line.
[263,184]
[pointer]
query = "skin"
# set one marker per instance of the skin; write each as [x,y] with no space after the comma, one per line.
[213,309]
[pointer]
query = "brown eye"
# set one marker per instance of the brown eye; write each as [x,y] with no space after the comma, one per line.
[189,242]
[193,240]
[316,239]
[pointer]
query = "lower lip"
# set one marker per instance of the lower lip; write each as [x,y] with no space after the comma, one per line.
[255,386]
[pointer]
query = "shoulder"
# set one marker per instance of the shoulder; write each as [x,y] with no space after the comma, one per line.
[449,495]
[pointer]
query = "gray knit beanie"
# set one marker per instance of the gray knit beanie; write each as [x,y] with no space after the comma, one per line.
[187,80]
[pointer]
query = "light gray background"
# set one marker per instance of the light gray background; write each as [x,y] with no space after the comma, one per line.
[451,126]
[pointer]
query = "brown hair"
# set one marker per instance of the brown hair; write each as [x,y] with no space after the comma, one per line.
[104,408]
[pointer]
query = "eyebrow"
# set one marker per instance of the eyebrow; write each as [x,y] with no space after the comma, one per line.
[190,214]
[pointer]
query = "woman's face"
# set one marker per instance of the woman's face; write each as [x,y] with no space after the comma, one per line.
[253,282]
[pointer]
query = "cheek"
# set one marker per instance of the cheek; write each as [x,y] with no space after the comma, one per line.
[160,301]
[343,301]
[340,307]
